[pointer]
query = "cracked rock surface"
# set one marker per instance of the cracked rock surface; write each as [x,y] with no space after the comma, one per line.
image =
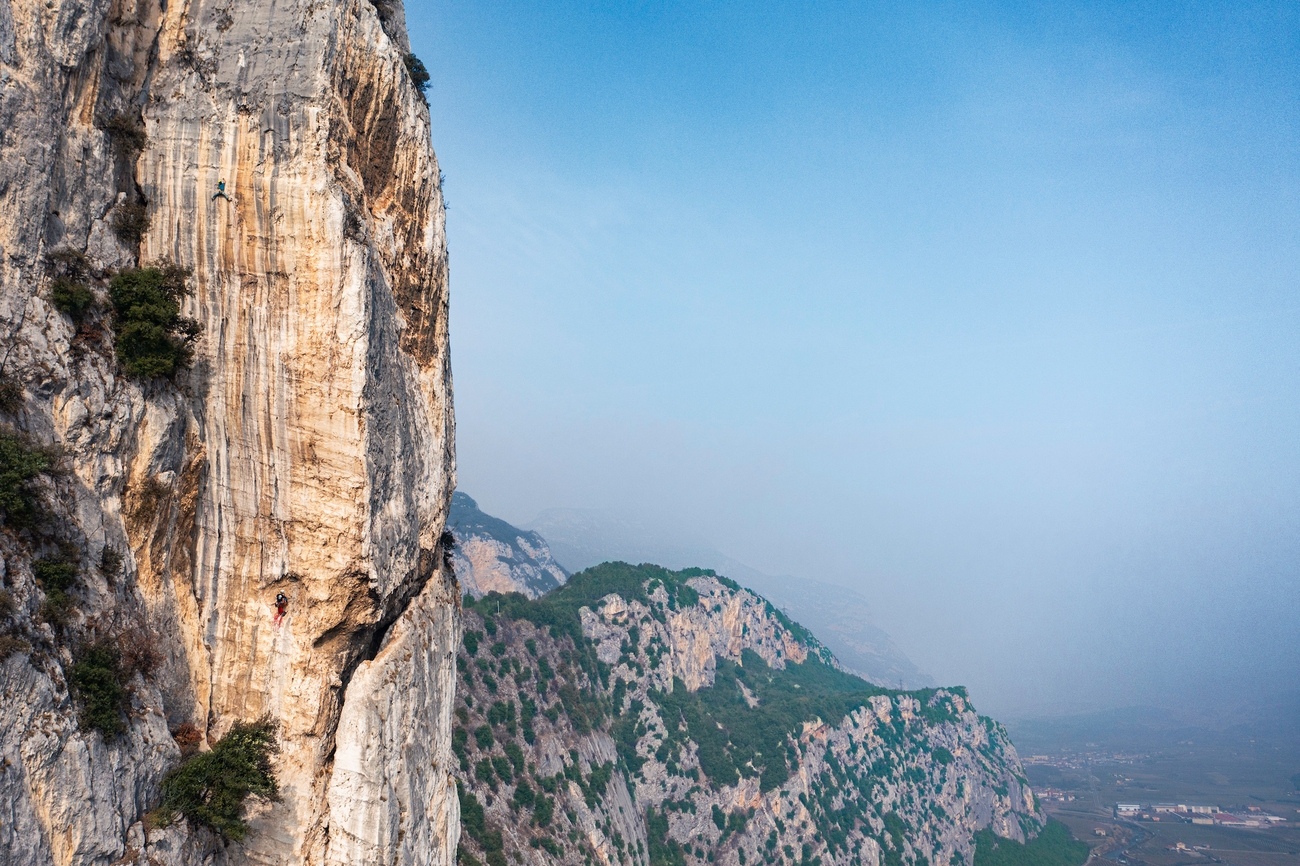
[308,449]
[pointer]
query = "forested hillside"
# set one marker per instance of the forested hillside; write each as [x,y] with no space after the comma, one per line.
[638,715]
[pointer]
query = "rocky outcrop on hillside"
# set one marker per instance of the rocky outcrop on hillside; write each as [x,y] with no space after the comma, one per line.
[644,716]
[493,556]
[842,618]
[275,418]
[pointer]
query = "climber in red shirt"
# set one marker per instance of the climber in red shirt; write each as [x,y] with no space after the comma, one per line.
[281,606]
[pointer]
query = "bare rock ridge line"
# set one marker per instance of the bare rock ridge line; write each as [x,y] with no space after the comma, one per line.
[841,617]
[645,717]
[286,428]
[493,556]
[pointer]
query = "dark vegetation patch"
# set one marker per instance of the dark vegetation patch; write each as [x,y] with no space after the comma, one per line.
[447,542]
[893,838]
[419,75]
[473,823]
[110,562]
[153,339]
[101,674]
[210,788]
[21,461]
[74,300]
[57,576]
[97,679]
[130,222]
[663,850]
[11,394]
[68,263]
[1052,847]
[127,134]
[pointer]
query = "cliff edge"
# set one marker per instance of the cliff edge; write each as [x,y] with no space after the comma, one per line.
[284,427]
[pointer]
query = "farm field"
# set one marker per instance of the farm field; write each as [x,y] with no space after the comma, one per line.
[1082,767]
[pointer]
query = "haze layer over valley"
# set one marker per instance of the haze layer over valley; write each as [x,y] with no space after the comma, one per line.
[985,313]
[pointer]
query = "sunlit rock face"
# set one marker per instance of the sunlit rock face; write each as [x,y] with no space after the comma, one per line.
[638,715]
[493,556]
[308,450]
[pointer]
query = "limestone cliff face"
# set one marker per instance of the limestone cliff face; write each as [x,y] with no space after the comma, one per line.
[723,625]
[493,556]
[309,449]
[640,716]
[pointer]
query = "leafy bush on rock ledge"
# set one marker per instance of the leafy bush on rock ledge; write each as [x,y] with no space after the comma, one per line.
[72,299]
[210,788]
[97,680]
[153,339]
[130,222]
[20,463]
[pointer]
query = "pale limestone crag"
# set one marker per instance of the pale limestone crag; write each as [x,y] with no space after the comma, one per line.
[309,450]
[493,556]
[881,759]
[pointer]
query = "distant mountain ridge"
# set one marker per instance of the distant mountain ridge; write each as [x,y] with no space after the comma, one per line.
[841,617]
[492,555]
[646,717]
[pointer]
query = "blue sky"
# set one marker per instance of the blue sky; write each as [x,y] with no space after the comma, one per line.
[989,311]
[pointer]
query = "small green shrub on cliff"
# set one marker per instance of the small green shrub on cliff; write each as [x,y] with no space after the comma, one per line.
[127,133]
[130,222]
[153,339]
[68,263]
[447,542]
[56,575]
[211,787]
[20,463]
[74,300]
[110,562]
[96,678]
[11,394]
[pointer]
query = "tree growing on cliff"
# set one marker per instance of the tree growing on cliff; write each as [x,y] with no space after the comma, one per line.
[210,788]
[153,339]
[419,74]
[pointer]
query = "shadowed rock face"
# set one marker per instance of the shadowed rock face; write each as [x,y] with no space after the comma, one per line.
[309,449]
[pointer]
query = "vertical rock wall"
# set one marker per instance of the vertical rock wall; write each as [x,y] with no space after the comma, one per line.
[308,451]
